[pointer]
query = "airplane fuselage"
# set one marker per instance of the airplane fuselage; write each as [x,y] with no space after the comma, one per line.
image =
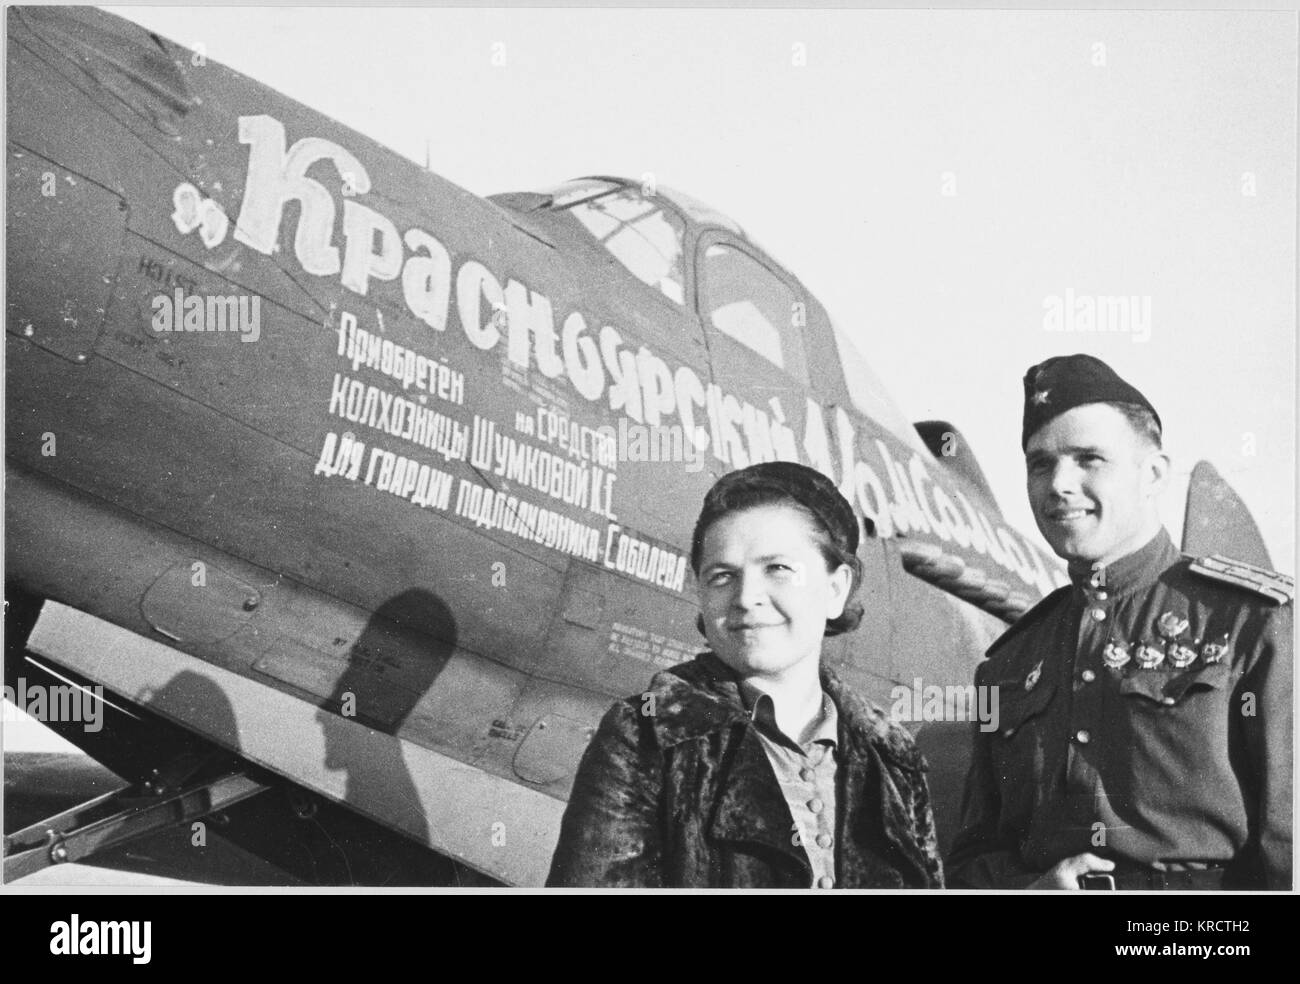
[386,486]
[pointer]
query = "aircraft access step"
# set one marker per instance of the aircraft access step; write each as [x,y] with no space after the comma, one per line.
[189,789]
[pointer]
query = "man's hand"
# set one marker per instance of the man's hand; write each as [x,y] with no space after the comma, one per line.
[1065,874]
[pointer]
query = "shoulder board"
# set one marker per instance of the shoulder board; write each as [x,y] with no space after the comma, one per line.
[1276,587]
[1031,617]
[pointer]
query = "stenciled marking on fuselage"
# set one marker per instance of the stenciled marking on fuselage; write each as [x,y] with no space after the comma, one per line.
[639,385]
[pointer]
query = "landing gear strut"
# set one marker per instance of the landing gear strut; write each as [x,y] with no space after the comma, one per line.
[188,789]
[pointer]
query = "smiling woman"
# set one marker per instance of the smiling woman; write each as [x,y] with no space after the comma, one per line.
[753,766]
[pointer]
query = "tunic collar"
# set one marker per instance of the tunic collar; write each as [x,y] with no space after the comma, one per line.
[1139,569]
[762,711]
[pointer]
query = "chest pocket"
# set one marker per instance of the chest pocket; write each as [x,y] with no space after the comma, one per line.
[1018,707]
[1172,688]
[1020,743]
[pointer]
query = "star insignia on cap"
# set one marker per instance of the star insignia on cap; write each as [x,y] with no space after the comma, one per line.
[1040,397]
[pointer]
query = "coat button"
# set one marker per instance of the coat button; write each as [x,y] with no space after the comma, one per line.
[1083,737]
[816,805]
[1098,614]
[824,840]
[1168,701]
[1088,676]
[807,775]
[825,881]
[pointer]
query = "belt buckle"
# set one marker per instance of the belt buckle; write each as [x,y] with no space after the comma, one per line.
[1097,881]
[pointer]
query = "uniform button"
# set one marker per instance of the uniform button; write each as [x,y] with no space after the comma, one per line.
[825,881]
[1098,615]
[807,775]
[816,805]
[1102,596]
[1083,737]
[824,840]
[1169,701]
[1088,676]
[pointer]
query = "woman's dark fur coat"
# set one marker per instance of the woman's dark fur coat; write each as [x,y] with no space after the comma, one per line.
[675,790]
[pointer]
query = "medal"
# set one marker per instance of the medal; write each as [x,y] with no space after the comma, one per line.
[1034,674]
[1171,626]
[1115,655]
[1180,656]
[1149,657]
[1213,652]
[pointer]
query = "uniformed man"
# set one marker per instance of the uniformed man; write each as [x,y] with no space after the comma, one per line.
[1144,739]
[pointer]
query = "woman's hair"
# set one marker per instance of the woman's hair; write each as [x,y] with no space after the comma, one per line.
[751,488]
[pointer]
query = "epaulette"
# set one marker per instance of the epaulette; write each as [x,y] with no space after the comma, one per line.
[1031,617]
[1270,584]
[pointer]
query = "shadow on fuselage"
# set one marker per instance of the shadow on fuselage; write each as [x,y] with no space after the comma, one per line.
[393,663]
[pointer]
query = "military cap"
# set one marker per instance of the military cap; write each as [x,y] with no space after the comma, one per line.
[758,483]
[1064,382]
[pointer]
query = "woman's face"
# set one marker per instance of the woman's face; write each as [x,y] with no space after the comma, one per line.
[765,593]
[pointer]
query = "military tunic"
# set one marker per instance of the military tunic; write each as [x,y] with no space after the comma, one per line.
[1145,716]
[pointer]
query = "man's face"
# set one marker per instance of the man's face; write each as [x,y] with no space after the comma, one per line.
[1093,484]
[765,593]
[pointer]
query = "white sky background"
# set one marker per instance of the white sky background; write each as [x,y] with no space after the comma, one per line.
[1124,179]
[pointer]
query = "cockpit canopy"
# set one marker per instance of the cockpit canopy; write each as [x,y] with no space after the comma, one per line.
[636,229]
[739,290]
